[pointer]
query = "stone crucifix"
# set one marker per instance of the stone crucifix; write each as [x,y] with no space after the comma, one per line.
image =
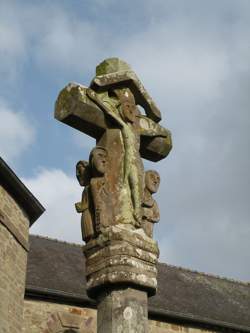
[108,112]
[117,206]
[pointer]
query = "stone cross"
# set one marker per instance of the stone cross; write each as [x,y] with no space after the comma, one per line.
[117,207]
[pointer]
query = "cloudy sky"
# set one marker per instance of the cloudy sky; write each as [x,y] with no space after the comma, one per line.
[194,59]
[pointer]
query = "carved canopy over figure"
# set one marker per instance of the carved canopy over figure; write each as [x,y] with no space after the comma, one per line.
[108,110]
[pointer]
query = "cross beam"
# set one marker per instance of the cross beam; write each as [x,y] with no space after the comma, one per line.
[76,109]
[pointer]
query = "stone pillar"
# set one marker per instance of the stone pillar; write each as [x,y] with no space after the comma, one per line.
[121,274]
[122,310]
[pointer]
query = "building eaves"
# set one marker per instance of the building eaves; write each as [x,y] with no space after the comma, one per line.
[20,193]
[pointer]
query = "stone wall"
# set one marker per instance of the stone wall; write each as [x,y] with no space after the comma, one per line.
[45,317]
[14,226]
[162,327]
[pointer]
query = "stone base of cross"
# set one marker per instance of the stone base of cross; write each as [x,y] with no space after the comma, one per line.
[121,274]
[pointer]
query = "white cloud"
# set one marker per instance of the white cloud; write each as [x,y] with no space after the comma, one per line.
[58,193]
[199,76]
[213,241]
[68,44]
[49,35]
[181,68]
[16,133]
[12,45]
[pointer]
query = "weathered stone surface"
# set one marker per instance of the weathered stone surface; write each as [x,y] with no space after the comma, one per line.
[44,317]
[113,73]
[76,109]
[117,207]
[114,177]
[47,317]
[137,238]
[13,259]
[150,214]
[121,256]
[122,311]
[165,327]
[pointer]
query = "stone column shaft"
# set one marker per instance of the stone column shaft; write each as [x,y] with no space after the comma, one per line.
[123,310]
[121,274]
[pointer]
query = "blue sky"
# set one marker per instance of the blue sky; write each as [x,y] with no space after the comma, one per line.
[193,58]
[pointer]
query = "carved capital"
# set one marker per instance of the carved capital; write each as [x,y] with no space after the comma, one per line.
[121,256]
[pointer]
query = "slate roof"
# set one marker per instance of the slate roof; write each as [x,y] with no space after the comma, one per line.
[56,271]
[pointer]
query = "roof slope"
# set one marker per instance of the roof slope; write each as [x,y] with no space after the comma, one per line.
[56,268]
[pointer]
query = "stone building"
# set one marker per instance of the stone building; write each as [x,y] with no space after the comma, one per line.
[19,209]
[48,295]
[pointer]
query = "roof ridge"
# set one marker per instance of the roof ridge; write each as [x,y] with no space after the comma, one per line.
[56,240]
[245,283]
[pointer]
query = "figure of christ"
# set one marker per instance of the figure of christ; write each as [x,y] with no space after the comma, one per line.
[151,212]
[86,205]
[125,115]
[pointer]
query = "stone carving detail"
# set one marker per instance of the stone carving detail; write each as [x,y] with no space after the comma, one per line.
[117,207]
[114,178]
[151,212]
[94,206]
[85,207]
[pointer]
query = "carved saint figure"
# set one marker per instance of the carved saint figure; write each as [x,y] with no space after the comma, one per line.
[85,206]
[95,207]
[151,212]
[98,161]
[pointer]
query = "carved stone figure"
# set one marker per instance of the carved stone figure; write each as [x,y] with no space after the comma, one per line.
[95,208]
[108,111]
[122,110]
[102,202]
[151,212]
[118,210]
[86,205]
[98,161]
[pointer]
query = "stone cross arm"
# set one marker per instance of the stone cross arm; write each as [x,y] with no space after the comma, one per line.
[76,109]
